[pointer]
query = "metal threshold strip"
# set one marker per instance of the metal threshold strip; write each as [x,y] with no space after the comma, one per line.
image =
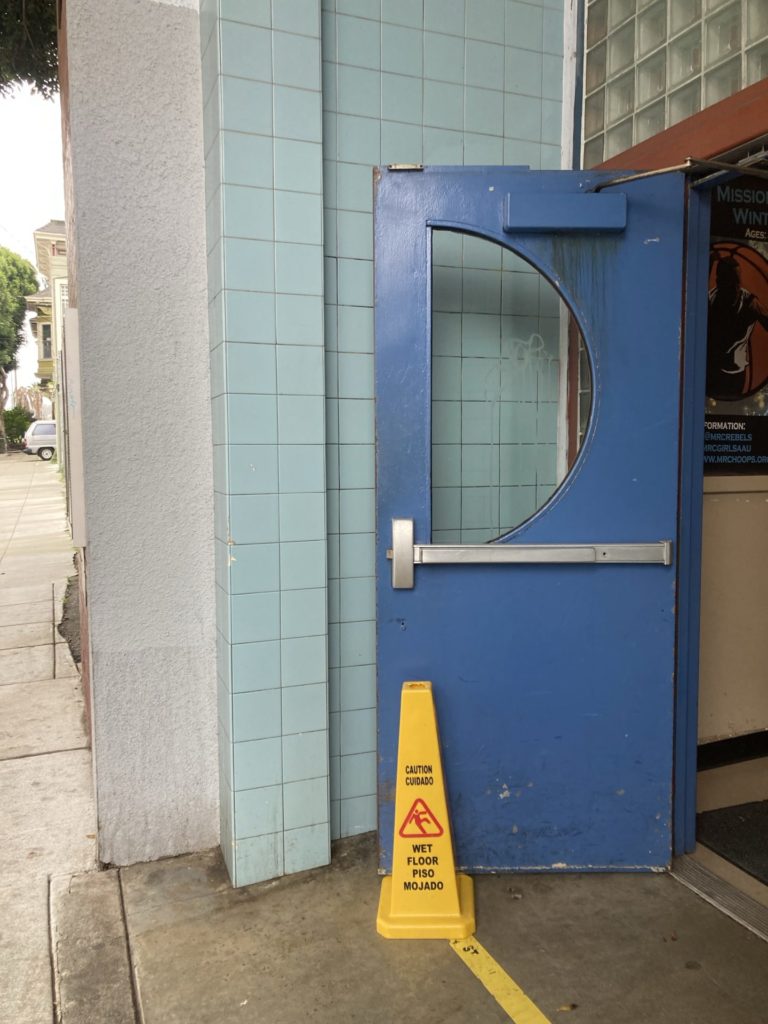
[404,554]
[722,895]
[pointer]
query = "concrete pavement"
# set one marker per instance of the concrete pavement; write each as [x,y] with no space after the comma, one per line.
[46,801]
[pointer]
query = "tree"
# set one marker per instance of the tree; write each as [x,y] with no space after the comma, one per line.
[17,280]
[28,46]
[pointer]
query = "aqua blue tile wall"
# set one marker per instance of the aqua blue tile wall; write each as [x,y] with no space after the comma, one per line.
[289,175]
[496,353]
[262,131]
[432,81]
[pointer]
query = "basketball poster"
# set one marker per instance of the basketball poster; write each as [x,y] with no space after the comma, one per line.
[736,420]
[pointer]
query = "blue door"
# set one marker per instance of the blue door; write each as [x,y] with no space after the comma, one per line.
[528,406]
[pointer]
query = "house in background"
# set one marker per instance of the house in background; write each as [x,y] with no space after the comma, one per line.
[47,326]
[227,541]
[42,331]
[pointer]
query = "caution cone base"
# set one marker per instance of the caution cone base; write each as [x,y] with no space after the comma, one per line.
[455,925]
[425,898]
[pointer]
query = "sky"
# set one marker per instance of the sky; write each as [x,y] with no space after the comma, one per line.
[31,183]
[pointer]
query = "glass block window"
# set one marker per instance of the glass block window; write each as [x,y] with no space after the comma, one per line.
[652,63]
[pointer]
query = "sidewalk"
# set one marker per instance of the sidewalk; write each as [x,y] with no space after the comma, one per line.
[46,802]
[172,943]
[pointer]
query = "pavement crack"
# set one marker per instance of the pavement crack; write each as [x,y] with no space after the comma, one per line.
[137,1011]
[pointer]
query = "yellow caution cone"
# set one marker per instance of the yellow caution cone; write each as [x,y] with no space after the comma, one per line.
[424,898]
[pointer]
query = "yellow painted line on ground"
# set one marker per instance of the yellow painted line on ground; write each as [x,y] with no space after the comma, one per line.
[507,994]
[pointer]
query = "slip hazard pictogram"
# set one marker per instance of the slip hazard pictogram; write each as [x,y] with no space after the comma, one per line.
[420,823]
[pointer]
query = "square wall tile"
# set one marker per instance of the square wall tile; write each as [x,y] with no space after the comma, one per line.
[358,643]
[358,731]
[357,468]
[300,370]
[246,159]
[258,859]
[300,319]
[254,568]
[523,25]
[403,12]
[357,511]
[443,147]
[305,756]
[301,419]
[256,715]
[253,519]
[484,110]
[298,268]
[258,763]
[296,60]
[358,91]
[305,660]
[249,265]
[358,687]
[247,212]
[246,106]
[302,467]
[358,42]
[302,565]
[255,666]
[307,848]
[355,329]
[249,317]
[358,775]
[358,140]
[356,421]
[306,803]
[357,558]
[485,65]
[298,217]
[250,368]
[357,815]
[355,375]
[354,187]
[251,12]
[252,469]
[522,71]
[444,57]
[258,812]
[298,166]
[444,16]
[443,105]
[302,517]
[305,709]
[245,51]
[401,143]
[401,50]
[255,617]
[252,419]
[355,282]
[297,16]
[297,114]
[302,613]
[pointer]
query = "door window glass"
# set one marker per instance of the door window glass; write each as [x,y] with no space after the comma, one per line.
[511,389]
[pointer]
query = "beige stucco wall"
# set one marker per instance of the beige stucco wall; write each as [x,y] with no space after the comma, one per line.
[733,695]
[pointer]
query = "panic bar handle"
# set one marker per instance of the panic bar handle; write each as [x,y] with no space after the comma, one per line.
[404,554]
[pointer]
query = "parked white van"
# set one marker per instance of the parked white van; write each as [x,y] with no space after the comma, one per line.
[40,439]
